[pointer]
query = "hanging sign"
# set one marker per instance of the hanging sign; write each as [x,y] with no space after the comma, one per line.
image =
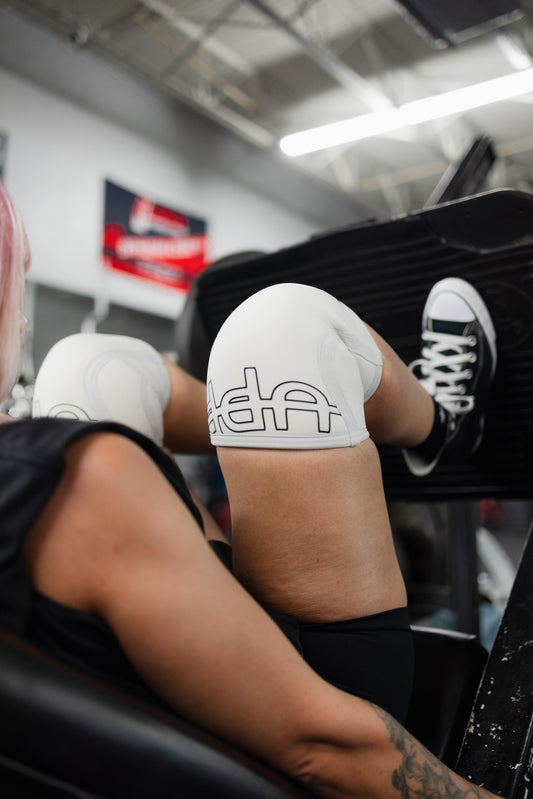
[150,241]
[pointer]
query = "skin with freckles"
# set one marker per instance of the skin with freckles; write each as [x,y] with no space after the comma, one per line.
[311,533]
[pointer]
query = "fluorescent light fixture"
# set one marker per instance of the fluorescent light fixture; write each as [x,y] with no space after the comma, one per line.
[413,113]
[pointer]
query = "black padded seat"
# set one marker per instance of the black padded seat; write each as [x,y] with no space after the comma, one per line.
[64,734]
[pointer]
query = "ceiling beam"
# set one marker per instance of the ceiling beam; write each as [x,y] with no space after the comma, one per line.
[372,97]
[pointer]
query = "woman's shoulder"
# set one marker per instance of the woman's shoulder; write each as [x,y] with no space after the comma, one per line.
[42,442]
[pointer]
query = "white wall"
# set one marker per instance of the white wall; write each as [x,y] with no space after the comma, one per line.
[61,150]
[58,156]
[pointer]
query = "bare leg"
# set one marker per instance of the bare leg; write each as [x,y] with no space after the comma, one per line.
[311,532]
[400,412]
[185,416]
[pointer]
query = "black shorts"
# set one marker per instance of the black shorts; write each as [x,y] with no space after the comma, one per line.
[371,657]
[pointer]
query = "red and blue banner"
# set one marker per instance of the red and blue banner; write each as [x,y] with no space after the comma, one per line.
[150,241]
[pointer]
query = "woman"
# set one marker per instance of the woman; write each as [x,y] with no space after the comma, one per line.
[108,500]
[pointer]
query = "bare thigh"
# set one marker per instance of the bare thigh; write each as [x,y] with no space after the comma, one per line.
[311,534]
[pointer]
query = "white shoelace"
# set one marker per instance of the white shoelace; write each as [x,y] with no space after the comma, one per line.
[443,372]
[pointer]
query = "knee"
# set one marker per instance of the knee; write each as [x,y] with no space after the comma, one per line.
[99,377]
[291,368]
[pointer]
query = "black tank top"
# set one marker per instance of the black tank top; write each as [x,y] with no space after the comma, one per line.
[31,464]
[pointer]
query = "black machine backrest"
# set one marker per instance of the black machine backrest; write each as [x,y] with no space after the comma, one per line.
[384,271]
[65,734]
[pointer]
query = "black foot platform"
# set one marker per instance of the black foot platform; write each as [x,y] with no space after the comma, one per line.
[384,271]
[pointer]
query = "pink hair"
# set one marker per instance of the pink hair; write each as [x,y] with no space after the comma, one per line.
[13,256]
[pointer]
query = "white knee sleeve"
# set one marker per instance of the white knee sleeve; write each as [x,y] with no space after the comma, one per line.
[103,377]
[291,368]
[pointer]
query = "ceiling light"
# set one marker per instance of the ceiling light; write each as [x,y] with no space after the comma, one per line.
[347,130]
[413,113]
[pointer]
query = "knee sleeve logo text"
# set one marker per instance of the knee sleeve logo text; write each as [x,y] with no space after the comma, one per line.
[245,409]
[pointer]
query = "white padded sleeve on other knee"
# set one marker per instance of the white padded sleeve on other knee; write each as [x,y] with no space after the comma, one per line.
[99,377]
[291,368]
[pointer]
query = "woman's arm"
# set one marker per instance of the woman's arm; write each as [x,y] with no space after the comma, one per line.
[198,638]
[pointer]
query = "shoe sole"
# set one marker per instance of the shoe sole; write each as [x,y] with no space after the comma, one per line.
[465,290]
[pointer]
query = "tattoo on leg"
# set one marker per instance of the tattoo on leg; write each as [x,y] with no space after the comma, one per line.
[420,773]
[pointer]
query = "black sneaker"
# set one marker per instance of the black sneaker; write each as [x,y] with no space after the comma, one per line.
[456,367]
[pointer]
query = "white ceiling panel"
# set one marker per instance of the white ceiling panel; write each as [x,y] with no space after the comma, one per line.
[266,68]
